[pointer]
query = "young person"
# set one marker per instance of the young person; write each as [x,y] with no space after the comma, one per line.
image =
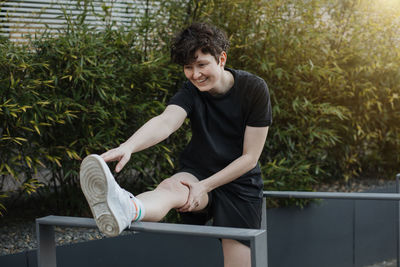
[219,175]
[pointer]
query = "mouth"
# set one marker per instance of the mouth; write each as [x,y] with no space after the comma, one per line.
[201,81]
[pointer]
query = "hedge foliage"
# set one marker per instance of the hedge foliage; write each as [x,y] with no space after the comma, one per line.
[332,68]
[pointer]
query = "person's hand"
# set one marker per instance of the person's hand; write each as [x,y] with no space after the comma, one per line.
[122,154]
[196,193]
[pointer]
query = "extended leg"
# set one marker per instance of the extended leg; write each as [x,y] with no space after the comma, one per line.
[114,208]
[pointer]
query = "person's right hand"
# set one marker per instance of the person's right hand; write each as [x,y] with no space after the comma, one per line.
[122,154]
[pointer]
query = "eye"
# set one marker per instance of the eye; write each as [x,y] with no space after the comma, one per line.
[187,67]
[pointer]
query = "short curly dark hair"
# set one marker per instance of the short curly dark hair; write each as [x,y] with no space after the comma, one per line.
[199,35]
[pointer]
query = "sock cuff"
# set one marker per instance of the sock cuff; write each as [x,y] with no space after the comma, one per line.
[139,209]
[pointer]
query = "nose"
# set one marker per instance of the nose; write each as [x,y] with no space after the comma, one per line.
[196,73]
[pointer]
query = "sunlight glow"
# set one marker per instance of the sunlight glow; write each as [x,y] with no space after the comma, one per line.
[388,5]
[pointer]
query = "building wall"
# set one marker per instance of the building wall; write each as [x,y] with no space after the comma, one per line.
[20,19]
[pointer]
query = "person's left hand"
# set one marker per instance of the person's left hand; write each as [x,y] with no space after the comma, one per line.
[196,194]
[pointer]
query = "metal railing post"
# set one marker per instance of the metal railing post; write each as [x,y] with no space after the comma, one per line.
[258,244]
[354,233]
[46,251]
[264,226]
[264,214]
[398,220]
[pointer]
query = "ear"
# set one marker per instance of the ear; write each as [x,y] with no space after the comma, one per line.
[222,58]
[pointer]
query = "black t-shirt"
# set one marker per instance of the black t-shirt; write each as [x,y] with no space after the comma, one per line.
[218,124]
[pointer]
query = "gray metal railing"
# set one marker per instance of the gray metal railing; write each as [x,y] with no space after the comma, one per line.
[258,238]
[46,251]
[346,196]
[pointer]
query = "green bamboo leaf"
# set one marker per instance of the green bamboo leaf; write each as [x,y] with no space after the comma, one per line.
[167,157]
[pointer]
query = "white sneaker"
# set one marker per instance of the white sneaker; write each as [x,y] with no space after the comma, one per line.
[112,207]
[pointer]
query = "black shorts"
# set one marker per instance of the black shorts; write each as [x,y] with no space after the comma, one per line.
[229,207]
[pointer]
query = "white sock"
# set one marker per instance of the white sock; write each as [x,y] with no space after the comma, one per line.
[139,209]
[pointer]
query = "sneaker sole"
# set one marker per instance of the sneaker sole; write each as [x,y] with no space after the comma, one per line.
[94,185]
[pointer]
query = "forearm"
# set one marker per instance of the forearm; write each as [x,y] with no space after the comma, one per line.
[151,133]
[231,172]
[254,140]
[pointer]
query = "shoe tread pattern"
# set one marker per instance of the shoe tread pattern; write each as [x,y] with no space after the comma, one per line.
[94,186]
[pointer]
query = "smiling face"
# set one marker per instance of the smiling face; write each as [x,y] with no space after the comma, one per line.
[206,73]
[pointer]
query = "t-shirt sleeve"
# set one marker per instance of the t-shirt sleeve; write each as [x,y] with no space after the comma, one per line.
[260,114]
[183,98]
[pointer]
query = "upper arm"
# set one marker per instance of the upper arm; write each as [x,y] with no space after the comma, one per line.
[173,117]
[254,140]
[259,105]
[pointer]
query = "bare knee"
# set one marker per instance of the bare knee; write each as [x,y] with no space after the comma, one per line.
[173,185]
